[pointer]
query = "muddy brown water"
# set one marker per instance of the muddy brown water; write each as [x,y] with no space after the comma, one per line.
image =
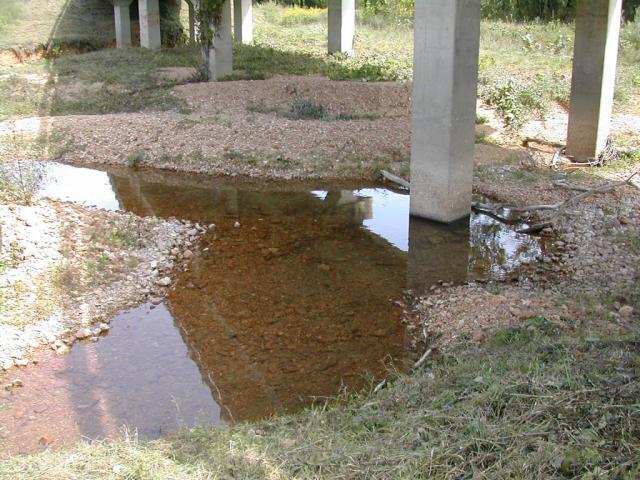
[297,304]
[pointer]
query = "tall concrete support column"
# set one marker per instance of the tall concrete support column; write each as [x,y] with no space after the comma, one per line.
[447,45]
[149,23]
[221,53]
[342,26]
[243,20]
[123,23]
[594,76]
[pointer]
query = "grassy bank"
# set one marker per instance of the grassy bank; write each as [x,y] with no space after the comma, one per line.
[532,403]
[38,22]
[524,67]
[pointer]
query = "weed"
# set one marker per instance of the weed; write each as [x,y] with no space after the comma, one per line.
[481,119]
[20,181]
[136,158]
[302,109]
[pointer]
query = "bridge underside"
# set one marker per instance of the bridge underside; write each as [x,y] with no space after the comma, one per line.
[447,36]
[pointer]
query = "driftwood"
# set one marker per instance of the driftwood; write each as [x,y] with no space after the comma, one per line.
[415,367]
[537,228]
[541,141]
[395,179]
[586,192]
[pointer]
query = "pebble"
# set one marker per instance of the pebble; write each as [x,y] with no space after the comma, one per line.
[164,282]
[626,311]
[22,362]
[83,333]
[7,364]
[237,224]
[187,254]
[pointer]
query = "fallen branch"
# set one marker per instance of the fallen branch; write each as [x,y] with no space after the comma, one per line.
[395,179]
[528,140]
[568,186]
[415,367]
[537,228]
[421,360]
[557,206]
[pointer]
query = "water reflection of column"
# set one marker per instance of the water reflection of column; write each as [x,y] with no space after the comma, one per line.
[437,252]
[359,208]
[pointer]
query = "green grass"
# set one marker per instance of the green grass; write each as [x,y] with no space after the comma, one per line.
[538,404]
[524,67]
[38,22]
[104,81]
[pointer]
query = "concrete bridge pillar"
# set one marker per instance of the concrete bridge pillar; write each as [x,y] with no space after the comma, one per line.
[123,22]
[243,21]
[594,74]
[221,52]
[342,26]
[149,23]
[447,45]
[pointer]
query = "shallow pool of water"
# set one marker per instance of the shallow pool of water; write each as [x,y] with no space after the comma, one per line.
[294,305]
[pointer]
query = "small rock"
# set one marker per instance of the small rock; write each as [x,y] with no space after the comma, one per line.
[237,224]
[164,282]
[83,333]
[156,301]
[22,362]
[7,364]
[478,380]
[187,254]
[17,383]
[62,350]
[104,327]
[626,311]
[211,226]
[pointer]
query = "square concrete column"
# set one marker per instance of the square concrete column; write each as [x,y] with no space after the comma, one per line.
[221,52]
[447,45]
[243,20]
[594,76]
[342,26]
[149,23]
[123,23]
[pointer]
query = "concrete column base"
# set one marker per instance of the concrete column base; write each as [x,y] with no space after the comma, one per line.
[149,24]
[221,54]
[447,45]
[594,77]
[123,23]
[342,26]
[243,21]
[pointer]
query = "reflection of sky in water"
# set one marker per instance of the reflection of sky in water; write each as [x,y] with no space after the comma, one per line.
[495,248]
[79,185]
[390,216]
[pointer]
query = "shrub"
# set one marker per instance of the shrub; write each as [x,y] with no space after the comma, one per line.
[20,181]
